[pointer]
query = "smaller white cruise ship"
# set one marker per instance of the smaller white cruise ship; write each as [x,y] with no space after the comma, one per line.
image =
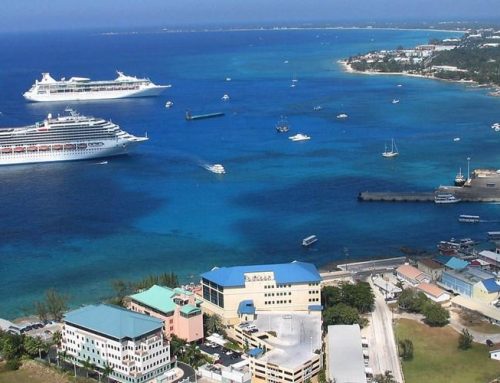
[84,89]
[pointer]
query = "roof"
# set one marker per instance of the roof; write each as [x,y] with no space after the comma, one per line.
[431,289]
[456,263]
[112,321]
[408,271]
[491,255]
[294,272]
[189,309]
[430,263]
[345,356]
[246,307]
[160,298]
[491,285]
[386,285]
[442,259]
[471,304]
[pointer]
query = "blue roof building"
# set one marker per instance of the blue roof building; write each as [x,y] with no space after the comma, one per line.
[242,291]
[455,263]
[491,285]
[113,322]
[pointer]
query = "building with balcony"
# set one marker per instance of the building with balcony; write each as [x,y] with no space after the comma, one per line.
[236,293]
[132,344]
[178,309]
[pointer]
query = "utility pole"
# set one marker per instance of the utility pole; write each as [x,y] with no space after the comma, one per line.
[468,169]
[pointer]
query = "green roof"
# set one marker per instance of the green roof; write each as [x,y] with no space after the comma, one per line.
[162,299]
[189,309]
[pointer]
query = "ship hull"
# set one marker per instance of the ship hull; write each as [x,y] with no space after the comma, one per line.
[107,150]
[92,96]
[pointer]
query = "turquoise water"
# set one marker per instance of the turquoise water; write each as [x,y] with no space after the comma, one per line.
[77,226]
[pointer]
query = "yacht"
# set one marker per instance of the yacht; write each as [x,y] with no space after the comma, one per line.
[84,89]
[393,152]
[64,138]
[282,126]
[445,198]
[469,218]
[308,241]
[395,101]
[299,137]
[225,97]
[342,116]
[216,168]
[169,104]
[460,178]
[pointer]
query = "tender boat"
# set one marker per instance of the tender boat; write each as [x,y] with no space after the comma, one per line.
[393,152]
[342,116]
[216,168]
[169,104]
[464,218]
[308,241]
[299,137]
[282,126]
[225,97]
[445,198]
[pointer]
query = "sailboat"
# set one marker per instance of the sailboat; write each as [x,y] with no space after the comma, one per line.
[460,179]
[393,152]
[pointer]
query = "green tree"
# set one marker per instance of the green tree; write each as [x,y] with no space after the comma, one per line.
[412,301]
[465,340]
[340,314]
[176,345]
[41,311]
[33,346]
[87,366]
[387,377]
[57,338]
[322,376]
[121,290]
[406,349]
[359,295]
[107,371]
[56,304]
[330,295]
[12,346]
[435,315]
[213,324]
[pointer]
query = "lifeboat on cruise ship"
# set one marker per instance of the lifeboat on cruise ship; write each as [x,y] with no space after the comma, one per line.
[6,150]
[43,148]
[69,147]
[82,146]
[32,148]
[19,149]
[57,147]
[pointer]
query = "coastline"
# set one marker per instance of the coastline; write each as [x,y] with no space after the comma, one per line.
[494,88]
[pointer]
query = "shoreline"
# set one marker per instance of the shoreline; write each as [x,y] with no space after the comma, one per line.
[493,87]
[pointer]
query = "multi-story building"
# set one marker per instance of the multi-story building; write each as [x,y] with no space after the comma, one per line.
[412,275]
[430,267]
[236,293]
[178,309]
[132,344]
[463,282]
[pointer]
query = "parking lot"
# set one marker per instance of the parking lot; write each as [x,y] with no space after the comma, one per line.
[224,356]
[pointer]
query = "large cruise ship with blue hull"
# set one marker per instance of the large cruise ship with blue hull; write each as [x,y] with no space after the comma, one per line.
[64,138]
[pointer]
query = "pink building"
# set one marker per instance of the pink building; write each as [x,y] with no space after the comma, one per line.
[177,308]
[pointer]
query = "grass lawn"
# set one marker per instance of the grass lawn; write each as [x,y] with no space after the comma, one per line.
[485,328]
[437,359]
[33,372]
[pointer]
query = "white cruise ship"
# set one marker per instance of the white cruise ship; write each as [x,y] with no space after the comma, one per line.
[84,89]
[64,138]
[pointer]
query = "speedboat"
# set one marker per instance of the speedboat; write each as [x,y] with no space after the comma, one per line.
[395,101]
[456,139]
[216,168]
[318,107]
[225,97]
[299,137]
[169,104]
[342,116]
[400,85]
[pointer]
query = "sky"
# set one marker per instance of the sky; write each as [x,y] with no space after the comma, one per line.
[32,15]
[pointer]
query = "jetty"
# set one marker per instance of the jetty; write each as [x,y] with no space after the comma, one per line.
[483,186]
[190,116]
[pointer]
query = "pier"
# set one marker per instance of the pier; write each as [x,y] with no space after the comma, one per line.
[395,197]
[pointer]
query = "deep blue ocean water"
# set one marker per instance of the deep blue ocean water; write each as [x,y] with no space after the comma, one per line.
[77,226]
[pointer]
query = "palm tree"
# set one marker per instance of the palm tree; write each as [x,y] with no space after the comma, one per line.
[87,365]
[61,355]
[56,338]
[108,370]
[213,324]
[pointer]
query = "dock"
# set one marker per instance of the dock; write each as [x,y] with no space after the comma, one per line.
[191,117]
[395,197]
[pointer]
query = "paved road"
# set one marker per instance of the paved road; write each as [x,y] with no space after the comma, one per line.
[380,334]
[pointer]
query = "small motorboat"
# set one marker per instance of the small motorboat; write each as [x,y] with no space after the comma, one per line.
[216,168]
[308,241]
[299,137]
[228,78]
[225,97]
[169,104]
[456,139]
[318,107]
[395,101]
[342,116]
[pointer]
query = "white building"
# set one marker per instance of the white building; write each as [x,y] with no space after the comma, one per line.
[236,293]
[236,373]
[132,344]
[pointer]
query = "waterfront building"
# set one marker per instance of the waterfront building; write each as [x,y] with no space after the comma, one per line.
[412,275]
[492,257]
[463,282]
[178,309]
[345,362]
[132,344]
[284,347]
[430,267]
[237,293]
[455,263]
[487,291]
[433,292]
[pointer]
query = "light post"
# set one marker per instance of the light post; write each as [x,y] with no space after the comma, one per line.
[468,169]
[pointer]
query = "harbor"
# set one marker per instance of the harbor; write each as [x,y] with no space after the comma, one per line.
[483,186]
